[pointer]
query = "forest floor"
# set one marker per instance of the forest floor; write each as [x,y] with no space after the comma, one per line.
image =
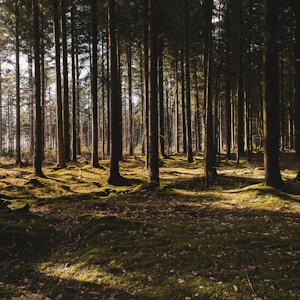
[72,236]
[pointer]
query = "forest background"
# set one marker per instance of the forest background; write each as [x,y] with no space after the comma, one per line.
[132,79]
[150,125]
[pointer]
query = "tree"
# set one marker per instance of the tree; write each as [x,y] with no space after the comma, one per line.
[297,71]
[240,83]
[38,157]
[59,119]
[271,97]
[95,159]
[209,134]
[18,98]
[66,114]
[115,104]
[153,101]
[188,85]
[74,98]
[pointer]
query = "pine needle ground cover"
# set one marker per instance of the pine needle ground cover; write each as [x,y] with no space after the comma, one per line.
[72,236]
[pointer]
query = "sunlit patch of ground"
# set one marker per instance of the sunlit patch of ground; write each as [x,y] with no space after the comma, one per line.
[72,236]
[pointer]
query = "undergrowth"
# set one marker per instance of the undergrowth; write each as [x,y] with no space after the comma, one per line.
[73,236]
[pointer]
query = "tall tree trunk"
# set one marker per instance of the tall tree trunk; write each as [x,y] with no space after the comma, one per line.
[66,113]
[43,87]
[108,104]
[38,154]
[146,84]
[74,119]
[297,79]
[209,134]
[1,113]
[197,112]
[18,98]
[177,105]
[103,85]
[183,104]
[130,117]
[78,116]
[271,96]
[59,121]
[153,101]
[240,84]
[31,100]
[162,133]
[95,158]
[249,87]
[115,106]
[188,85]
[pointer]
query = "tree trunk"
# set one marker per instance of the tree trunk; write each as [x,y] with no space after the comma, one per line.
[18,98]
[240,84]
[153,101]
[188,85]
[209,135]
[271,96]
[38,157]
[74,119]
[115,105]
[297,79]
[1,113]
[177,106]
[146,85]
[59,121]
[130,118]
[162,133]
[95,158]
[183,106]
[66,114]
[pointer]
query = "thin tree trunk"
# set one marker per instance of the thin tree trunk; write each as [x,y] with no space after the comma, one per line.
[197,112]
[116,128]
[130,119]
[297,77]
[66,113]
[240,84]
[188,86]
[177,106]
[60,136]
[18,98]
[271,96]
[209,145]
[95,155]
[38,157]
[161,97]
[74,119]
[153,101]
[183,105]
[146,84]
[1,113]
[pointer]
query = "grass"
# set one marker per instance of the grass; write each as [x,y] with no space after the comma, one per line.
[72,236]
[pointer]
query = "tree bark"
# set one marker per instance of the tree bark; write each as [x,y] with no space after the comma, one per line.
[74,119]
[188,85]
[271,97]
[66,113]
[162,132]
[240,84]
[38,157]
[59,116]
[18,98]
[95,154]
[153,101]
[115,104]
[297,79]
